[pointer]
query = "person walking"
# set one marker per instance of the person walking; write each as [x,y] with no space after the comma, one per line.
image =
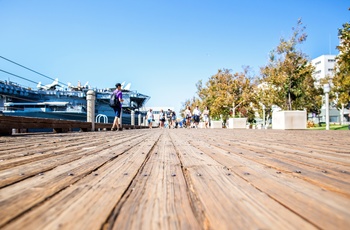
[205,116]
[173,119]
[118,108]
[150,118]
[168,118]
[188,116]
[161,118]
[196,116]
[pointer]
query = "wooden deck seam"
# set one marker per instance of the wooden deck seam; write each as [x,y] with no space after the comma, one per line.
[196,205]
[112,217]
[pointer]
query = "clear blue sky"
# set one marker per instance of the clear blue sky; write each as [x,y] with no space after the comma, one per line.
[163,47]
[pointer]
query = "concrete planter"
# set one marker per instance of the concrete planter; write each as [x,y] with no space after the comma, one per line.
[237,123]
[291,119]
[216,125]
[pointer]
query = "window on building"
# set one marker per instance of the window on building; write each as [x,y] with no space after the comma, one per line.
[331,60]
[319,62]
[330,70]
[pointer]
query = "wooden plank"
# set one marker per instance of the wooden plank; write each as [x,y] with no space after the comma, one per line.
[38,188]
[228,201]
[158,198]
[22,172]
[175,179]
[330,171]
[92,198]
[286,188]
[43,150]
[325,174]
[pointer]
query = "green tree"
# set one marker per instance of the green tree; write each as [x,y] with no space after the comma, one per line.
[288,75]
[341,79]
[225,90]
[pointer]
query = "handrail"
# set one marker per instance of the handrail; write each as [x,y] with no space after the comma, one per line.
[99,116]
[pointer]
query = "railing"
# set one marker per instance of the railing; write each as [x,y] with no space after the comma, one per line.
[15,124]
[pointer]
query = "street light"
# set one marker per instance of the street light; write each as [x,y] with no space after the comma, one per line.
[326,89]
[263,108]
[264,118]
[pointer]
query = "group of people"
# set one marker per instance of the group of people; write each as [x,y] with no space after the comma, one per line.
[192,119]
[167,118]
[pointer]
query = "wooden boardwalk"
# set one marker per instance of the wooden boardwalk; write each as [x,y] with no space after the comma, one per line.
[176,179]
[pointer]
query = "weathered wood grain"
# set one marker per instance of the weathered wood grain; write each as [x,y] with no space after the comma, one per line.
[176,179]
[161,191]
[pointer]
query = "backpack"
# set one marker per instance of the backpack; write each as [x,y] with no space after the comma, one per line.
[113,101]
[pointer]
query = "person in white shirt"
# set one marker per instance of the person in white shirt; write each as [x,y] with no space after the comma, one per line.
[196,116]
[188,116]
[161,118]
[149,117]
[205,116]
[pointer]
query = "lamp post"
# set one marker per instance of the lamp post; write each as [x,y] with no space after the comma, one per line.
[326,90]
[264,122]
[233,109]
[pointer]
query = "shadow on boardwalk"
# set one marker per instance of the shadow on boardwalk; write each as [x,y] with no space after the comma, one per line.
[176,179]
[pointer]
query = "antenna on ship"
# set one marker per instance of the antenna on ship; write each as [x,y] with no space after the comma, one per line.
[127,87]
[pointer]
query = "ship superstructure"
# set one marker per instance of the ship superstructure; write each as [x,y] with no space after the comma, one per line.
[55,102]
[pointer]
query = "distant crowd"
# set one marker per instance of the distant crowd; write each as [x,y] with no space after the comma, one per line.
[191,119]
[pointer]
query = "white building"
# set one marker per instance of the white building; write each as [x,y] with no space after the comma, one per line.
[324,67]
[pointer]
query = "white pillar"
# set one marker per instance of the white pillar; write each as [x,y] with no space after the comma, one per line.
[139,119]
[327,111]
[342,114]
[326,89]
[264,118]
[132,118]
[90,98]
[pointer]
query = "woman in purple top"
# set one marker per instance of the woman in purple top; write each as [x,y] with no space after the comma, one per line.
[117,109]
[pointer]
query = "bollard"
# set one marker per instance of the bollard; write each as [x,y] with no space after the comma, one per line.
[90,98]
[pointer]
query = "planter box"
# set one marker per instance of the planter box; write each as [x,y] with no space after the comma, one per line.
[237,123]
[292,119]
[216,125]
